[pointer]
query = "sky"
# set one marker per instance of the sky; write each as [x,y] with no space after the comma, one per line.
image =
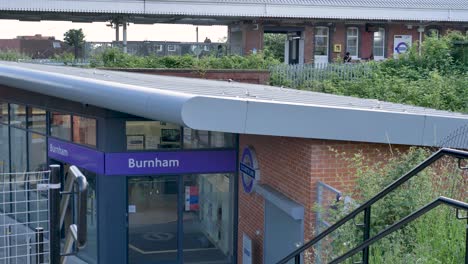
[101,32]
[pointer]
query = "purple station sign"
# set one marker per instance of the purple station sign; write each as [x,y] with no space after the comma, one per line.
[171,162]
[80,156]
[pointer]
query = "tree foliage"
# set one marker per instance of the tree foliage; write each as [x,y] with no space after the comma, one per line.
[74,38]
[273,45]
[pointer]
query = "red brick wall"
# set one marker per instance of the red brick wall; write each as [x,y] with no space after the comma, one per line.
[10,44]
[338,37]
[309,44]
[244,76]
[252,37]
[293,166]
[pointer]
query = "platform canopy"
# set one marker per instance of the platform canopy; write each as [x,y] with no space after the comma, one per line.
[238,107]
[213,12]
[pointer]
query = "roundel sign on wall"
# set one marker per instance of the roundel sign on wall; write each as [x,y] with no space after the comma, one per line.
[249,170]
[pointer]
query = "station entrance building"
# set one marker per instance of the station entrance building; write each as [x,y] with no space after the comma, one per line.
[191,171]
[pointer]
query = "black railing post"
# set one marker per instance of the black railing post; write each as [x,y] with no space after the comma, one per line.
[54,213]
[297,259]
[39,245]
[367,226]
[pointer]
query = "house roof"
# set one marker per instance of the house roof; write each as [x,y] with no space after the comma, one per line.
[220,11]
[237,107]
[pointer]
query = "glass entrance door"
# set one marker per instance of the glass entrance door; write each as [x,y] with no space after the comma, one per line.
[152,218]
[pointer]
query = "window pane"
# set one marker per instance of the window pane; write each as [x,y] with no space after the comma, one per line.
[4,113]
[37,119]
[144,135]
[352,32]
[4,149]
[18,152]
[84,130]
[18,115]
[37,152]
[379,40]
[208,223]
[18,164]
[60,125]
[196,139]
[37,162]
[321,41]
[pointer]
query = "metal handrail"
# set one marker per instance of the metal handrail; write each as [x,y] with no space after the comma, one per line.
[367,205]
[415,215]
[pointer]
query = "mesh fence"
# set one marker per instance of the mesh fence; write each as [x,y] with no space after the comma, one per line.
[24,222]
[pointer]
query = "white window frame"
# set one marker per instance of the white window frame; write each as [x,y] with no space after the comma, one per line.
[171,49]
[159,47]
[382,30]
[354,56]
[327,42]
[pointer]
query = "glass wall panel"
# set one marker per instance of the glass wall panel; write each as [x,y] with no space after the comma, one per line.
[152,219]
[146,135]
[89,253]
[4,149]
[37,152]
[37,119]
[84,130]
[196,139]
[208,223]
[18,184]
[3,112]
[18,115]
[60,125]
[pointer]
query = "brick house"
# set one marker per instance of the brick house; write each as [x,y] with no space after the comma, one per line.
[36,47]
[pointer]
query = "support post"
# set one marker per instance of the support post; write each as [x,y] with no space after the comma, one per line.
[125,37]
[367,224]
[117,33]
[54,213]
[39,245]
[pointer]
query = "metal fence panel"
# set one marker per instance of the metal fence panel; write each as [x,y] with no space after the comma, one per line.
[24,223]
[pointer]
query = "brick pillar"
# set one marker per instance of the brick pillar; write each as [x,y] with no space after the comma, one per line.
[338,34]
[309,44]
[252,35]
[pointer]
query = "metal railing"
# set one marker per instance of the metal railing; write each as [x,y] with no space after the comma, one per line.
[75,235]
[366,208]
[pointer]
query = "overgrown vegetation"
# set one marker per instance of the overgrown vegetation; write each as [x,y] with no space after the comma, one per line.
[114,58]
[436,79]
[11,55]
[437,237]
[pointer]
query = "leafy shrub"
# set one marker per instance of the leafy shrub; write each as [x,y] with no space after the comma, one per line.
[11,55]
[437,237]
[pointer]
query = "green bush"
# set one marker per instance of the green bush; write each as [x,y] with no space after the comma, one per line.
[114,58]
[10,55]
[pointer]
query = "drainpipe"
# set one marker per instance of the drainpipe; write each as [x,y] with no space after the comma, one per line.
[421,31]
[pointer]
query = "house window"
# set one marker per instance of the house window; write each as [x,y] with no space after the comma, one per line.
[159,48]
[379,44]
[206,48]
[352,41]
[321,41]
[171,48]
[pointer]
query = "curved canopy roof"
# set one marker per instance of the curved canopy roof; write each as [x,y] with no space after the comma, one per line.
[239,108]
[223,11]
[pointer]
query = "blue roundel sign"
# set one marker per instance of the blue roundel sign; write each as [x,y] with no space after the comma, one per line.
[249,169]
[401,47]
